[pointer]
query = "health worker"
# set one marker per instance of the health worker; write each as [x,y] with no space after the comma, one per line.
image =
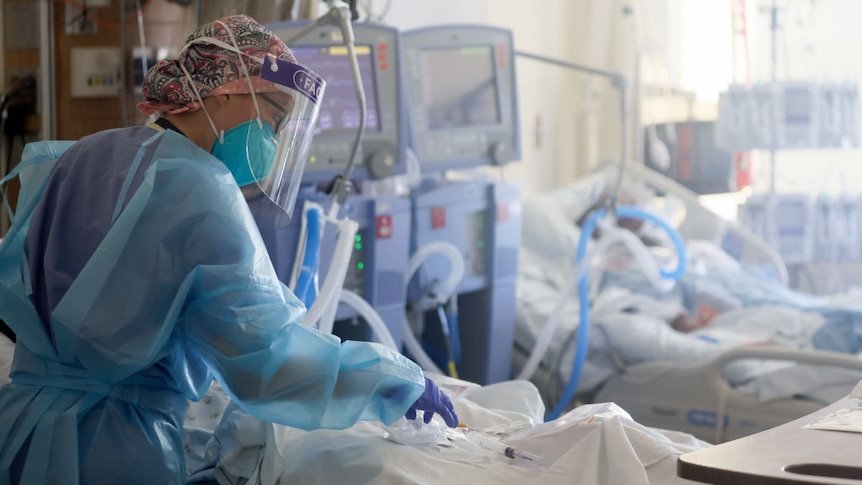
[134,273]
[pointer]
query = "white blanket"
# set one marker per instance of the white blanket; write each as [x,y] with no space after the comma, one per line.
[597,443]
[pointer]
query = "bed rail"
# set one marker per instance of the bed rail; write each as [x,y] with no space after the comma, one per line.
[715,367]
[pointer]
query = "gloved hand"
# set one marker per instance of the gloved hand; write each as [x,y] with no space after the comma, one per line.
[433,400]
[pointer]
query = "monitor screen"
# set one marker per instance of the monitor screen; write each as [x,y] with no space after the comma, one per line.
[462,96]
[339,111]
[460,88]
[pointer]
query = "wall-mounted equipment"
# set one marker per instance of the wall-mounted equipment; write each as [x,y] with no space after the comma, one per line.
[96,72]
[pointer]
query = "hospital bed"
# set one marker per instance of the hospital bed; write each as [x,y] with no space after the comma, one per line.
[504,440]
[759,362]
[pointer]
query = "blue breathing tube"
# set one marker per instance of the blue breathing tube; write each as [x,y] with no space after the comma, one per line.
[583,291]
[311,259]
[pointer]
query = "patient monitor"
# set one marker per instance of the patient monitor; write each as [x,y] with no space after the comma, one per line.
[462,95]
[384,142]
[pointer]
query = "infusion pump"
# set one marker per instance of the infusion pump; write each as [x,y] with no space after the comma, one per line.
[790,114]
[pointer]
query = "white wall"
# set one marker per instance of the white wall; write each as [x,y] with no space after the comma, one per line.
[411,14]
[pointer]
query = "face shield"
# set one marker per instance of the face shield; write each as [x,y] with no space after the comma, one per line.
[279,139]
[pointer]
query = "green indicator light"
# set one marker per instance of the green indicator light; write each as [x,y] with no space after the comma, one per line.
[312,159]
[480,243]
[360,265]
[358,246]
[358,238]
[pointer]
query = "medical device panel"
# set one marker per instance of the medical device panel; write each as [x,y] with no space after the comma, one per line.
[381,153]
[483,221]
[462,93]
[377,263]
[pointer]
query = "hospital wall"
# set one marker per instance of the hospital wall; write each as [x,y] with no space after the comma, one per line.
[569,120]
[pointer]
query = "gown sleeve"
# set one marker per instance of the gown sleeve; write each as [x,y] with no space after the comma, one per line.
[244,323]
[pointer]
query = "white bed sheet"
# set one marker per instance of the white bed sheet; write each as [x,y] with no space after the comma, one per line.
[597,443]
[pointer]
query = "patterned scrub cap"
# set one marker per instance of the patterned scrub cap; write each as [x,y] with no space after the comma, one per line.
[213,69]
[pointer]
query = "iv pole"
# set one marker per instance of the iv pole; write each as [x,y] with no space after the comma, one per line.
[621,83]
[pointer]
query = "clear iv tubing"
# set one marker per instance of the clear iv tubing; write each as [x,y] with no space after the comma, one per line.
[322,312]
[610,237]
[456,273]
[372,318]
[583,288]
[326,304]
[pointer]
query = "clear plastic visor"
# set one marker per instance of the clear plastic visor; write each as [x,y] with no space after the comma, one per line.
[290,115]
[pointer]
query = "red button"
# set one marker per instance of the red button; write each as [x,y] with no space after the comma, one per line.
[384,226]
[502,213]
[438,217]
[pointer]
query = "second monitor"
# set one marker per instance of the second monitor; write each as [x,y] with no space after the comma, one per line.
[382,152]
[462,96]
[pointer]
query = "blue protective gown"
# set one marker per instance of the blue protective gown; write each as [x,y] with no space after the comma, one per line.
[132,275]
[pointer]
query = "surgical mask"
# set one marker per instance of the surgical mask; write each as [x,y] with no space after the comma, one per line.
[248,151]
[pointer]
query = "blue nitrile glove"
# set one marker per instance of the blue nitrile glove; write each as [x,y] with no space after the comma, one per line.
[433,400]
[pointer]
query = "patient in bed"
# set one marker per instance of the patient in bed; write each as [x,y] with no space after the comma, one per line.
[717,305]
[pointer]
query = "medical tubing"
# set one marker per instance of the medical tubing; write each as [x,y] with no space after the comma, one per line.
[611,237]
[417,352]
[676,239]
[344,250]
[371,317]
[452,315]
[550,327]
[456,260]
[360,97]
[334,281]
[447,337]
[621,82]
[581,345]
[311,259]
[300,248]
